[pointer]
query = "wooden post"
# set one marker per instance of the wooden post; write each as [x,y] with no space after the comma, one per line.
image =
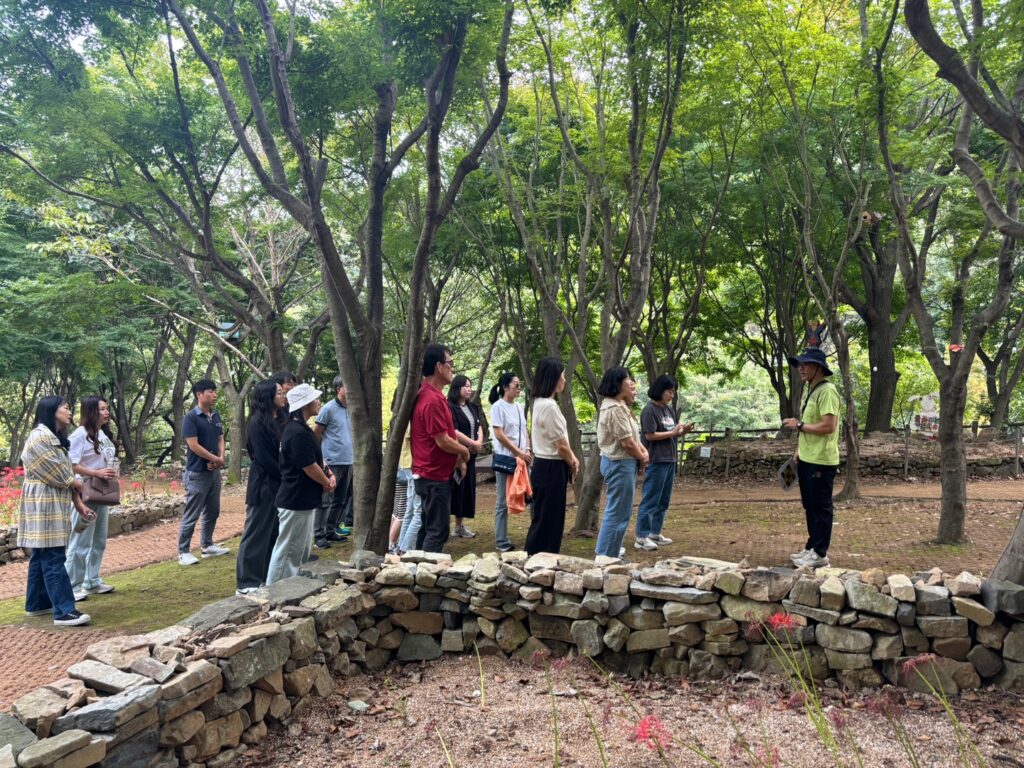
[906,452]
[974,428]
[728,450]
[1016,454]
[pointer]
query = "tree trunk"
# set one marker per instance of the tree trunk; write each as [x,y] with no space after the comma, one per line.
[952,462]
[179,392]
[1010,566]
[851,480]
[884,376]
[588,492]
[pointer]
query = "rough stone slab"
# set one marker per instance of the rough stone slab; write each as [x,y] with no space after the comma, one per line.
[135,752]
[300,682]
[867,598]
[818,614]
[575,565]
[541,561]
[724,647]
[637,618]
[230,610]
[196,673]
[948,675]
[514,573]
[228,646]
[332,607]
[1012,677]
[687,635]
[1013,644]
[106,678]
[510,634]
[964,585]
[119,652]
[729,582]
[1002,596]
[365,558]
[843,661]
[743,609]
[225,703]
[259,659]
[932,600]
[943,626]
[985,660]
[666,577]
[568,583]
[843,639]
[906,614]
[833,594]
[588,636]
[397,598]
[647,640]
[681,613]
[149,667]
[326,570]
[953,647]
[168,635]
[39,708]
[418,648]
[887,647]
[616,584]
[272,682]
[172,708]
[676,594]
[616,634]
[973,610]
[180,730]
[215,736]
[91,754]
[14,734]
[7,758]
[46,752]
[451,641]
[595,601]
[418,622]
[768,585]
[550,628]
[295,589]
[806,592]
[169,655]
[991,636]
[301,636]
[396,576]
[876,624]
[110,713]
[901,588]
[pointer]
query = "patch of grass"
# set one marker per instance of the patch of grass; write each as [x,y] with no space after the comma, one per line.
[147,598]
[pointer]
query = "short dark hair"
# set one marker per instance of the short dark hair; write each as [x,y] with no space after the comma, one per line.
[433,354]
[453,389]
[284,377]
[46,414]
[660,385]
[338,382]
[611,383]
[549,370]
[202,385]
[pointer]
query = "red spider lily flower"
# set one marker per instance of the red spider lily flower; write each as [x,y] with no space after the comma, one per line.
[652,732]
[561,663]
[136,486]
[780,621]
[884,705]
[753,631]
[839,719]
[921,660]
[162,475]
[539,657]
[796,700]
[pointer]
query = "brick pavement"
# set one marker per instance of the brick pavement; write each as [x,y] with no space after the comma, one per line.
[32,657]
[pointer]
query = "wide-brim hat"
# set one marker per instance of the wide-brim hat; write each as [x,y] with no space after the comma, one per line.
[301,396]
[812,355]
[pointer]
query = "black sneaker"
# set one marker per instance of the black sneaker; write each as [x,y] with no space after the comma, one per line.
[322,544]
[72,619]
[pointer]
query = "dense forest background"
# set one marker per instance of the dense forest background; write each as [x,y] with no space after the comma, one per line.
[220,188]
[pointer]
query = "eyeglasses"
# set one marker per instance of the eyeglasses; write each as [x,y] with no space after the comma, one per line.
[450,363]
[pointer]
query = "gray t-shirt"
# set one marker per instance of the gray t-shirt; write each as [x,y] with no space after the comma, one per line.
[658,418]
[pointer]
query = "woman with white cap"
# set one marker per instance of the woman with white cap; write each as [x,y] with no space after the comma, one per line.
[303,483]
[817,454]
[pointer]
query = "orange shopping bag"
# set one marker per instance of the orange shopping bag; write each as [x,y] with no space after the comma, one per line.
[518,489]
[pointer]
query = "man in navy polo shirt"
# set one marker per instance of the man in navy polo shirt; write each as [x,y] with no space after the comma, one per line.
[204,436]
[436,454]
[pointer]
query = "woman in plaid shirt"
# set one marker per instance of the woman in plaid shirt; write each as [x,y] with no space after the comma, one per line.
[45,518]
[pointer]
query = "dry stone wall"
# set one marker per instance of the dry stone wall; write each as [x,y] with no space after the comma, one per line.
[203,692]
[123,519]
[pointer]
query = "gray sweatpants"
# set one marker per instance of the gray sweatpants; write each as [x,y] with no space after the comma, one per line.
[202,497]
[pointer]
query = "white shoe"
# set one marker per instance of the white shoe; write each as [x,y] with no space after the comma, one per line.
[80,595]
[214,551]
[100,588]
[660,540]
[799,555]
[245,591]
[622,552]
[645,544]
[812,560]
[187,558]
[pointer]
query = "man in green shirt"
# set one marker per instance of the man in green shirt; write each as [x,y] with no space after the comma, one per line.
[817,454]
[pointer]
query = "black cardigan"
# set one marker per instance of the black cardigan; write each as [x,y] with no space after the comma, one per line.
[263,444]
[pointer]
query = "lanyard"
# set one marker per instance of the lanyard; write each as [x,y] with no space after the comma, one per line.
[807,399]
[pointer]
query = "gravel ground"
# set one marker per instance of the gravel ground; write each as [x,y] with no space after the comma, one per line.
[755,722]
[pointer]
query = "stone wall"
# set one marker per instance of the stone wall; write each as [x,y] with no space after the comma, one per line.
[201,693]
[123,519]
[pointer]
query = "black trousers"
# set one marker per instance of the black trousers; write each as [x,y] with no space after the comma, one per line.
[258,537]
[337,506]
[816,481]
[549,478]
[436,498]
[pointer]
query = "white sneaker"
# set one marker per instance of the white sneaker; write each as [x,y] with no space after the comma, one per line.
[244,591]
[80,595]
[622,552]
[214,551]
[100,588]
[644,543]
[463,532]
[812,560]
[660,540]
[799,555]
[187,558]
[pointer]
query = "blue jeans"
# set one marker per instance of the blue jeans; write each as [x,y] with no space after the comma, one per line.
[650,515]
[202,497]
[413,519]
[85,550]
[620,477]
[48,583]
[294,540]
[501,539]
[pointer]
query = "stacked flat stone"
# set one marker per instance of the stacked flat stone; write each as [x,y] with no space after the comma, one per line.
[203,692]
[123,519]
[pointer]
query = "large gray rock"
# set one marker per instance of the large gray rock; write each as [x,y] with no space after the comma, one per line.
[15,734]
[1013,643]
[1012,677]
[293,590]
[616,634]
[332,607]
[418,622]
[681,613]
[397,598]
[419,648]
[707,666]
[326,570]
[103,677]
[833,594]
[365,558]
[38,709]
[943,626]
[676,594]
[1004,596]
[818,614]
[939,673]
[637,618]
[768,585]
[864,597]
[647,640]
[195,674]
[110,713]
[985,660]
[225,703]
[846,661]
[258,660]
[805,592]
[119,651]
[301,636]
[843,639]
[887,647]
[155,670]
[550,627]
[230,610]
[135,752]
[973,610]
[588,636]
[47,752]
[510,634]
[744,609]
[902,588]
[932,600]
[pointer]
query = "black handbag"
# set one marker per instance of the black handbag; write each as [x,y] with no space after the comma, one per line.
[504,464]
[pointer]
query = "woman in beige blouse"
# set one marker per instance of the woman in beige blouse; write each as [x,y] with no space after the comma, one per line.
[618,437]
[554,463]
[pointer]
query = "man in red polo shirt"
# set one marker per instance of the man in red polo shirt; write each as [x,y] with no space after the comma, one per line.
[436,454]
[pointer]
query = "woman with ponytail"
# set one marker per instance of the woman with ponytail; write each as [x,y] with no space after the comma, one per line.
[508,424]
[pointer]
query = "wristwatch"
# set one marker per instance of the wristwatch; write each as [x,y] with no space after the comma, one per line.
[799,426]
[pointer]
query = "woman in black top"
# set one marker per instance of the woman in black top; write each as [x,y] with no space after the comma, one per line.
[470,432]
[303,483]
[263,443]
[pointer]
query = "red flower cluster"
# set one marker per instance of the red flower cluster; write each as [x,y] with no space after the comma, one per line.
[921,660]
[652,732]
[781,621]
[10,493]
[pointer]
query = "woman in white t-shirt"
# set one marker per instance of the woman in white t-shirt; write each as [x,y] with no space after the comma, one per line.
[93,454]
[508,424]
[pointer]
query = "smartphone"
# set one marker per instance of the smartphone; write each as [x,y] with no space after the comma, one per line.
[457,476]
